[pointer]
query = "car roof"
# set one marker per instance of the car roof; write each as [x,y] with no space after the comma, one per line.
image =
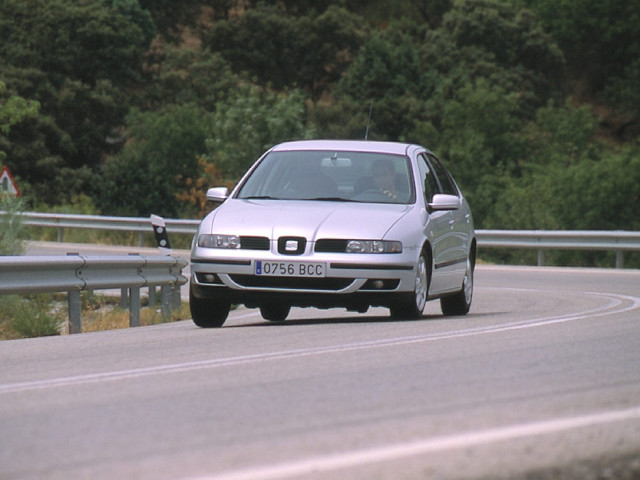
[394,148]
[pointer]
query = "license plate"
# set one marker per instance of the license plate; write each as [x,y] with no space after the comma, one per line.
[290,269]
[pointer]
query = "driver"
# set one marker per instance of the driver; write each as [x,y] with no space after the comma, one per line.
[384,178]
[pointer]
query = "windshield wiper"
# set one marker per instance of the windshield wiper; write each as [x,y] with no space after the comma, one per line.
[260,197]
[331,199]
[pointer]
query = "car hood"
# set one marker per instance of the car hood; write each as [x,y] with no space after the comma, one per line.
[309,219]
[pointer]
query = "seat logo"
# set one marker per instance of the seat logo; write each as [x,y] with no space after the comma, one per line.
[291,246]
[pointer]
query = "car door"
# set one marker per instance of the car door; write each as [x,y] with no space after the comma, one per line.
[459,223]
[437,229]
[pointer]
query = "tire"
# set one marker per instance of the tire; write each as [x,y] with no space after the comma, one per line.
[410,306]
[208,313]
[460,303]
[276,312]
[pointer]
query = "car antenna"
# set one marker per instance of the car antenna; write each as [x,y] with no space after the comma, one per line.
[366,133]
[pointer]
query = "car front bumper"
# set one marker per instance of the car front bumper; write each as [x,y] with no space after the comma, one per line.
[350,280]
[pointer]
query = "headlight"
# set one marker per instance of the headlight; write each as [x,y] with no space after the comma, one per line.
[374,246]
[219,241]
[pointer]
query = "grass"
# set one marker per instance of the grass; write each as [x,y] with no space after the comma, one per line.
[108,315]
[28,316]
[46,314]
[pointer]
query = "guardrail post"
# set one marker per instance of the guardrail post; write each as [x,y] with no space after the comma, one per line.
[540,257]
[153,296]
[619,259]
[75,309]
[177,299]
[166,301]
[124,298]
[60,234]
[134,307]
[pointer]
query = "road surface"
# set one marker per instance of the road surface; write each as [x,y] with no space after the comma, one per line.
[543,375]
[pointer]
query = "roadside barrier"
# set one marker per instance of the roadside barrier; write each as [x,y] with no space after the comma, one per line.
[22,275]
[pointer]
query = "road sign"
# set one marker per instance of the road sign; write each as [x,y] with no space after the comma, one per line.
[8,185]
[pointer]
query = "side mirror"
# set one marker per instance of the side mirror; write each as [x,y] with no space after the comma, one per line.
[217,194]
[443,201]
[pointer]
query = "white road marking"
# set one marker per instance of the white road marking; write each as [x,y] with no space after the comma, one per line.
[615,304]
[343,460]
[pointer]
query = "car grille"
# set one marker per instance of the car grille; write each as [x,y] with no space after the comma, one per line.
[254,243]
[325,284]
[331,245]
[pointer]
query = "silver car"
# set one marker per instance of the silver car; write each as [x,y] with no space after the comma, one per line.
[329,223]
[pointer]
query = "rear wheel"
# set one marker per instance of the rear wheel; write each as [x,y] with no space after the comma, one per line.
[460,303]
[410,307]
[208,312]
[276,312]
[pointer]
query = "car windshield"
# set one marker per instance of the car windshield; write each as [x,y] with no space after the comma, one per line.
[332,177]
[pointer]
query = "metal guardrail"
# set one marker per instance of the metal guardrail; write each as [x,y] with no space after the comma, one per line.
[73,274]
[618,241]
[124,224]
[541,240]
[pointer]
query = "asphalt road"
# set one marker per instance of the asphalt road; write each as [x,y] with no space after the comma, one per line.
[542,376]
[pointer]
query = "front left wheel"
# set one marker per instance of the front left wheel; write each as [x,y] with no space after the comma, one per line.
[411,305]
[460,303]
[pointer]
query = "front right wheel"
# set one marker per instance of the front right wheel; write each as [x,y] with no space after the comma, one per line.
[208,312]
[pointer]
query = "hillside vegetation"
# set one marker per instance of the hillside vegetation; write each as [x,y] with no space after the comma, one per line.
[132,107]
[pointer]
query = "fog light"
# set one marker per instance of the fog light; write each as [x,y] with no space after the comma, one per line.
[210,277]
[379,284]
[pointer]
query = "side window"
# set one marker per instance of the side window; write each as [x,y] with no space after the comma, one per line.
[427,178]
[443,176]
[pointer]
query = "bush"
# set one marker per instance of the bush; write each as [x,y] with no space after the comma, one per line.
[28,317]
[12,229]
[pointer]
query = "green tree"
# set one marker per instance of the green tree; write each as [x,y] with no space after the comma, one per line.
[309,52]
[136,15]
[600,193]
[480,144]
[182,76]
[77,59]
[387,74]
[13,109]
[624,92]
[156,164]
[432,11]
[560,135]
[170,16]
[559,140]
[503,43]
[245,126]
[84,41]
[411,71]
[599,38]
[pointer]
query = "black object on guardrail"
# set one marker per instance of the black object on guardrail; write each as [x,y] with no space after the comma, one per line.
[160,232]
